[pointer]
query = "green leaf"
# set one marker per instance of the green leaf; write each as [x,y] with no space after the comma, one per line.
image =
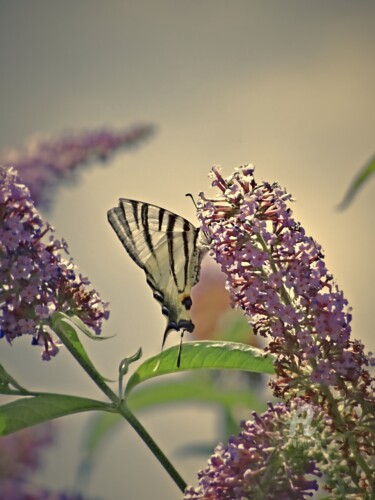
[358,181]
[163,393]
[66,329]
[84,329]
[191,390]
[8,383]
[203,355]
[29,411]
[149,396]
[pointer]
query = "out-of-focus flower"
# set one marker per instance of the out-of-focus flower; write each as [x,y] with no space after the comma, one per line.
[22,490]
[20,451]
[42,162]
[261,462]
[19,458]
[35,279]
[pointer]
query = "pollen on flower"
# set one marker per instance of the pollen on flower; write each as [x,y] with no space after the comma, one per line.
[35,279]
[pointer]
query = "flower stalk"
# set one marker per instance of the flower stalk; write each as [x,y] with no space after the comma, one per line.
[119,405]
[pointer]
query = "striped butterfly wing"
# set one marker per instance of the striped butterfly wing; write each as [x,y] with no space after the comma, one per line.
[167,247]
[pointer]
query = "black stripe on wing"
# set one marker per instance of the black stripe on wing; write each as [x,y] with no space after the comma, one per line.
[146,230]
[186,251]
[134,205]
[170,237]
[132,221]
[161,217]
[120,225]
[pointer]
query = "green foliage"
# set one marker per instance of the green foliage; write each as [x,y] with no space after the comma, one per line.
[67,328]
[7,383]
[361,178]
[34,410]
[159,393]
[217,355]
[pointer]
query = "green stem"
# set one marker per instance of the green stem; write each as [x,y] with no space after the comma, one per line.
[120,407]
[150,443]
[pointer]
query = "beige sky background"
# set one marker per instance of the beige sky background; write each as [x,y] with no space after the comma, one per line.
[287,85]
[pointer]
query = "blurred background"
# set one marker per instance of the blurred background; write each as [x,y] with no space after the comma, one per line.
[288,86]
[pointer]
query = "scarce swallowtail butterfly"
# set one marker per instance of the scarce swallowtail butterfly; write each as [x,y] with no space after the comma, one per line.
[169,249]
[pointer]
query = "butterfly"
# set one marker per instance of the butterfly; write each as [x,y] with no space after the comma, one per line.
[169,249]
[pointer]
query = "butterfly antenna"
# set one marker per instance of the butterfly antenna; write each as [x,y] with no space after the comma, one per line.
[192,198]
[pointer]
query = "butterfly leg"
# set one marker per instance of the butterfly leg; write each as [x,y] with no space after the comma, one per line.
[180,349]
[166,333]
[164,338]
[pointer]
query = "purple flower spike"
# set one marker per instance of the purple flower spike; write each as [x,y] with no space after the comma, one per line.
[35,279]
[20,456]
[42,162]
[277,275]
[20,451]
[260,462]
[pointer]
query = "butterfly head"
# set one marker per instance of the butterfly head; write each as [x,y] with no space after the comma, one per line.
[185,325]
[179,317]
[182,326]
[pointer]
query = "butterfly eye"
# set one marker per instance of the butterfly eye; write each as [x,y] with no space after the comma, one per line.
[187,302]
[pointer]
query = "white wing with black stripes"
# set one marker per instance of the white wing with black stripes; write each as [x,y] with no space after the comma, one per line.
[169,249]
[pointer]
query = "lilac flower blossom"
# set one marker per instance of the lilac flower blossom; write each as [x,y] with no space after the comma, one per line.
[41,162]
[20,451]
[21,490]
[35,279]
[276,274]
[19,457]
[260,463]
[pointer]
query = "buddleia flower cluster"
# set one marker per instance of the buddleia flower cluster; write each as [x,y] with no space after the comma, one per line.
[277,275]
[20,456]
[35,277]
[261,461]
[43,161]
